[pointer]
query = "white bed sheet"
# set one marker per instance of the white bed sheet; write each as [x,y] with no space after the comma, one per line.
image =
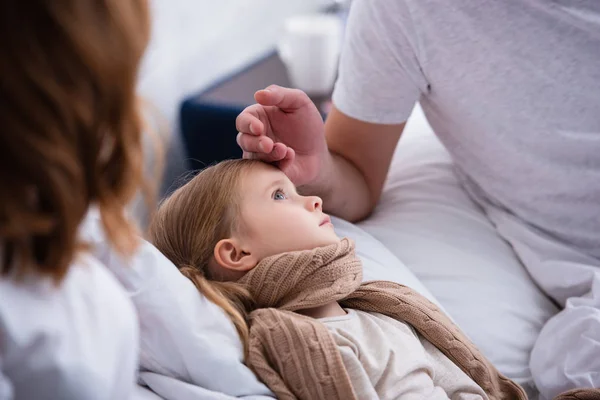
[429,222]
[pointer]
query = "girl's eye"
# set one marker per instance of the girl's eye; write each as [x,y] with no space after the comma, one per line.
[279,195]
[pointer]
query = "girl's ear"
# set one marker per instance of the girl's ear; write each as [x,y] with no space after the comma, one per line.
[230,254]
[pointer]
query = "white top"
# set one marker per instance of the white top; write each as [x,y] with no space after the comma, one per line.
[386,359]
[512,89]
[75,341]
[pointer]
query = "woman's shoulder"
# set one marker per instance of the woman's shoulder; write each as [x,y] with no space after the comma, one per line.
[78,339]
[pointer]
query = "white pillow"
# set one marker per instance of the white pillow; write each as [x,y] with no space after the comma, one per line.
[183,335]
[379,263]
[189,347]
[426,219]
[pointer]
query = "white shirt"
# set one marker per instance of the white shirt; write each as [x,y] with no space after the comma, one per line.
[75,341]
[511,88]
[387,360]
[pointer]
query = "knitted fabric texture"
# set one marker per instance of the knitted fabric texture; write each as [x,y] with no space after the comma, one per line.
[580,394]
[297,357]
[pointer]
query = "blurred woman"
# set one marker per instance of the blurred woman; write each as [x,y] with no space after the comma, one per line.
[70,139]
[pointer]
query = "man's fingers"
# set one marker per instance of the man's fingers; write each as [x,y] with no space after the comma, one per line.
[274,156]
[249,120]
[279,151]
[284,98]
[287,160]
[246,155]
[254,144]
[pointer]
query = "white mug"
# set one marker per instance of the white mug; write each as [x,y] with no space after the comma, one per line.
[310,50]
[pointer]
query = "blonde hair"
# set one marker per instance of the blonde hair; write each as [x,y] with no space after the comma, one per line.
[188,225]
[71,131]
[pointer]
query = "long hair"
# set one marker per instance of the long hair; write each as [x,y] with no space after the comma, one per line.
[188,225]
[71,132]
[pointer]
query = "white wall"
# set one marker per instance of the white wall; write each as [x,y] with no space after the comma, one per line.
[195,42]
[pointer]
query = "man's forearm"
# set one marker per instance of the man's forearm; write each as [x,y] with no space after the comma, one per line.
[343,189]
[355,164]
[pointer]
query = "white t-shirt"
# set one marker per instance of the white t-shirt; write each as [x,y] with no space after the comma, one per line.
[387,360]
[75,341]
[512,89]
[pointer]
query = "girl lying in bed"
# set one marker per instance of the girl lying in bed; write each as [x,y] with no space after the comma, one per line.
[311,330]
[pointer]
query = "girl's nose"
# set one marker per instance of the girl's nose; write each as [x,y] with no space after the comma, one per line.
[314,203]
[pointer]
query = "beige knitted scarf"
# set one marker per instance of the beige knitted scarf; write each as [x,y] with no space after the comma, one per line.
[297,357]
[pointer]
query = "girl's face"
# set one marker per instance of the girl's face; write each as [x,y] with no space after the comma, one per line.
[276,219]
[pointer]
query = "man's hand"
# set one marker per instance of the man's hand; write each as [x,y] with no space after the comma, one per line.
[284,128]
[347,170]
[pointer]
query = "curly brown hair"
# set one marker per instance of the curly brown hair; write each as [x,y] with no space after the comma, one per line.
[71,131]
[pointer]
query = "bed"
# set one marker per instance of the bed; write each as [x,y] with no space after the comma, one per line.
[425,232]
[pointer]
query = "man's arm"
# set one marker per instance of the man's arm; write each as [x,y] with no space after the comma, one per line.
[352,175]
[345,162]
